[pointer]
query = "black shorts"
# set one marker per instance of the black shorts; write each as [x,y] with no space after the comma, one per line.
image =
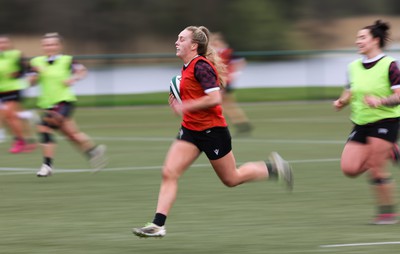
[215,142]
[386,129]
[62,109]
[10,96]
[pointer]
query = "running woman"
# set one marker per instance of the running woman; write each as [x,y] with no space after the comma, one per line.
[56,73]
[203,129]
[11,86]
[375,130]
[230,106]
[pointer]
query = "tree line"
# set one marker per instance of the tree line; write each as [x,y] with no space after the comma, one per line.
[115,25]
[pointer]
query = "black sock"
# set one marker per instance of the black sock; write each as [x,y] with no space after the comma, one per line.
[48,161]
[89,152]
[271,170]
[159,219]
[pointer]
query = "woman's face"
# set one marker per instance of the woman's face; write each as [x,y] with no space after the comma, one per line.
[51,46]
[365,42]
[184,45]
[5,43]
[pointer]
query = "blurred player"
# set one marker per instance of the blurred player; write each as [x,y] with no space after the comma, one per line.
[229,104]
[203,129]
[11,86]
[375,128]
[56,73]
[30,119]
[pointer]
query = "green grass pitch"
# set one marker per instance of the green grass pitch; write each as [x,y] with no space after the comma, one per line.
[75,211]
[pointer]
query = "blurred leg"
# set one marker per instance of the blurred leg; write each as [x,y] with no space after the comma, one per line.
[70,129]
[382,185]
[2,127]
[29,120]
[354,158]
[95,153]
[235,114]
[11,109]
[48,147]
[231,176]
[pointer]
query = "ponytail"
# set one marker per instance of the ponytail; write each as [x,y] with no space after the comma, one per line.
[201,36]
[380,30]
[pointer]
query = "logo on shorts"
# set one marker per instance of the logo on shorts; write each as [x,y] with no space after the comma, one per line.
[216,151]
[383,131]
[180,133]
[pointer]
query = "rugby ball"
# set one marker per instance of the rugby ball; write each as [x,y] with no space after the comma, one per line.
[174,87]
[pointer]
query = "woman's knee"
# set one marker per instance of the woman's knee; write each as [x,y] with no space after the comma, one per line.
[10,115]
[169,173]
[229,182]
[351,171]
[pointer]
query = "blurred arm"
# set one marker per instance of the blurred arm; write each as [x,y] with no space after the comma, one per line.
[209,100]
[343,100]
[79,71]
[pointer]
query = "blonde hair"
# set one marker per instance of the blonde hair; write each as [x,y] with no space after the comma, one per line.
[201,36]
[217,39]
[52,35]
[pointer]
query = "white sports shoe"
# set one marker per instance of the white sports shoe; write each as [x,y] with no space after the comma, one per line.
[385,219]
[98,159]
[45,171]
[150,230]
[283,169]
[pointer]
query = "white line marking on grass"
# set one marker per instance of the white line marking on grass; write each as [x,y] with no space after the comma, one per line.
[357,244]
[22,171]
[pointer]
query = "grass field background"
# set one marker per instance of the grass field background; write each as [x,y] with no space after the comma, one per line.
[75,211]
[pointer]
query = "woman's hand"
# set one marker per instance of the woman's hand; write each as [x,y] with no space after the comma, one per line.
[343,100]
[175,105]
[339,104]
[372,101]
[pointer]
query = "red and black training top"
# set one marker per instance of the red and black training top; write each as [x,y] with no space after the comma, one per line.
[200,77]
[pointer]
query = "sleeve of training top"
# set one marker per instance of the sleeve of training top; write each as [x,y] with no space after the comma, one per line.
[76,66]
[206,76]
[394,75]
[30,70]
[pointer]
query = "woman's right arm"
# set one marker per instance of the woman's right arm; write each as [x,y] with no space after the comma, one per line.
[343,100]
